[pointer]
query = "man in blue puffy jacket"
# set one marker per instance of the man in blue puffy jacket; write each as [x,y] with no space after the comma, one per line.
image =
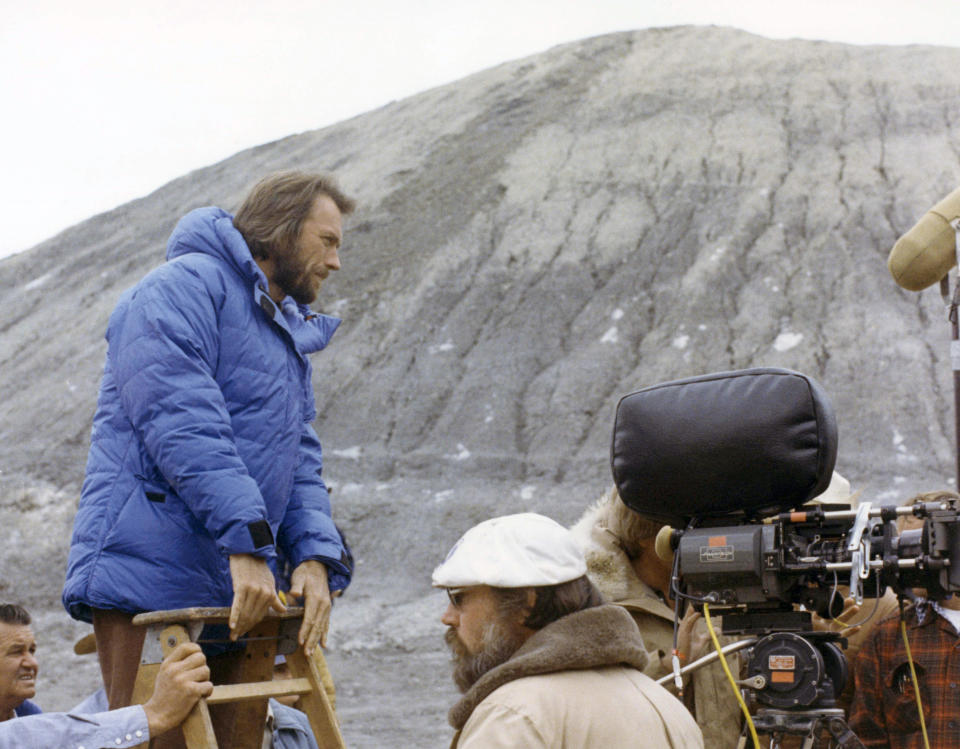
[204,468]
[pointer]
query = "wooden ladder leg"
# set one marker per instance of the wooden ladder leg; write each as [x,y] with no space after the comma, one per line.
[143,688]
[197,728]
[316,704]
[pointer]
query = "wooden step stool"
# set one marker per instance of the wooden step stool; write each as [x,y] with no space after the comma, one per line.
[276,634]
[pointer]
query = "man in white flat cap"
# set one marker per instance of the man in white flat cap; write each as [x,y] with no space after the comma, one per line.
[541,660]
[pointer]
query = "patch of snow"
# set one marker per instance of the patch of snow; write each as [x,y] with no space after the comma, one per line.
[681,341]
[352,488]
[37,282]
[617,314]
[462,453]
[441,348]
[787,341]
[443,496]
[611,336]
[353,453]
[527,492]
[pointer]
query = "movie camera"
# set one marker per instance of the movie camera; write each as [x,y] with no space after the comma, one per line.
[729,460]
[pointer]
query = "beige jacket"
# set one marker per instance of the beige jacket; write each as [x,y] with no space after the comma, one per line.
[707,692]
[575,684]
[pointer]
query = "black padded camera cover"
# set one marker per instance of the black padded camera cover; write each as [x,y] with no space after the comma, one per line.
[751,442]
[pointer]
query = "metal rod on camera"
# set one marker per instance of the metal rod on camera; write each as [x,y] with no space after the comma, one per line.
[665,681]
[952,316]
[875,512]
[876,564]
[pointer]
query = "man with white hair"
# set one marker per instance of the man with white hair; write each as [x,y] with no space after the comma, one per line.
[541,660]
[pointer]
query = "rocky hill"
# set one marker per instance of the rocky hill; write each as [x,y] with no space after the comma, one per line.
[533,242]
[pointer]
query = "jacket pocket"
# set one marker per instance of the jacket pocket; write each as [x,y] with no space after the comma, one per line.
[899,698]
[151,512]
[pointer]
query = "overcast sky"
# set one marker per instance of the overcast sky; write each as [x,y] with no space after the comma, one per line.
[106,100]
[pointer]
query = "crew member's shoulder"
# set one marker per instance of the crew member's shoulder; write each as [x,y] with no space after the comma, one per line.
[576,684]
[573,701]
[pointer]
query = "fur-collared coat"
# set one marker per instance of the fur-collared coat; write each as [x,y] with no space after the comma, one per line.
[577,682]
[707,693]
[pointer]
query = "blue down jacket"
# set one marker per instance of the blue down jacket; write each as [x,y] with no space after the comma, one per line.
[202,444]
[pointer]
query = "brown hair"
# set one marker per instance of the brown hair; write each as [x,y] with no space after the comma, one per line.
[11,613]
[627,526]
[552,601]
[273,212]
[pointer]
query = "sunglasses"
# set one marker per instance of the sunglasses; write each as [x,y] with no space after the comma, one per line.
[456,596]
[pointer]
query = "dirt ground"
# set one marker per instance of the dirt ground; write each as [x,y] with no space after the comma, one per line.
[394,699]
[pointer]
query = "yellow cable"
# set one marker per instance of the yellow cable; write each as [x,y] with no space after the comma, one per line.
[733,683]
[916,684]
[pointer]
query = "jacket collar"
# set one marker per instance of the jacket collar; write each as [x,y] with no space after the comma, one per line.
[310,331]
[600,636]
[608,565]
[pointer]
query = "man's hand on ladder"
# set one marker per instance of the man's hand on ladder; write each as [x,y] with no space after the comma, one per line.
[183,679]
[254,593]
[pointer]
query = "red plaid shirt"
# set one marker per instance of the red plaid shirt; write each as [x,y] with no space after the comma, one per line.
[884,710]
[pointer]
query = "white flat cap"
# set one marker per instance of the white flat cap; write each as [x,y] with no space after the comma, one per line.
[513,551]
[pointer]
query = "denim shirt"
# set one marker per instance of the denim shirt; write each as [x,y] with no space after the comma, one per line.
[117,729]
[291,728]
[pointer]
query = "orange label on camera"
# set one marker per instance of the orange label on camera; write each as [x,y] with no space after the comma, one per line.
[717,541]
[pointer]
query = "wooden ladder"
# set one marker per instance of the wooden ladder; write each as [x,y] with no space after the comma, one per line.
[276,634]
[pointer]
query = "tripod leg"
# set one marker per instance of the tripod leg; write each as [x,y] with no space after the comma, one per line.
[845,737]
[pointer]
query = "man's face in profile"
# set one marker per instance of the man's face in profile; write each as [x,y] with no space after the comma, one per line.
[18,666]
[479,635]
[301,270]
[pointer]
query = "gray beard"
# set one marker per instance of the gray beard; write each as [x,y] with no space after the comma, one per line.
[497,645]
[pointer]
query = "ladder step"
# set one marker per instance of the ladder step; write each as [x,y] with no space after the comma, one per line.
[257,690]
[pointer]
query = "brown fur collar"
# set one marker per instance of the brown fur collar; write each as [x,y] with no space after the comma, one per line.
[601,636]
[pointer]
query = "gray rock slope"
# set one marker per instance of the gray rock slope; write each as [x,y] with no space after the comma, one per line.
[534,242]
